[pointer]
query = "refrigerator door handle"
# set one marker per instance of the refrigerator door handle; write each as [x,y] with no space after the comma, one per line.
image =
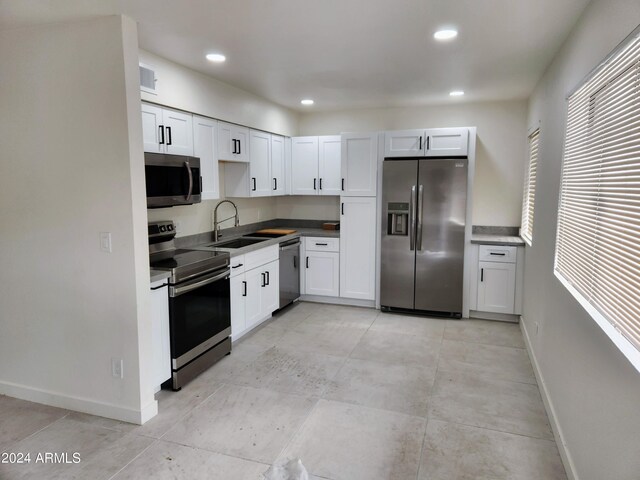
[412,219]
[419,219]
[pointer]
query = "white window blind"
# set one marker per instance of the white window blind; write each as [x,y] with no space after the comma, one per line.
[598,237]
[526,231]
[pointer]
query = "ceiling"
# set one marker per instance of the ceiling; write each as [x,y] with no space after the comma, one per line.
[342,53]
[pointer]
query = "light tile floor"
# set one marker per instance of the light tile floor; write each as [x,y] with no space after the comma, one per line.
[356,394]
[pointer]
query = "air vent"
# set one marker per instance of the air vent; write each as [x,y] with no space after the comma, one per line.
[147,79]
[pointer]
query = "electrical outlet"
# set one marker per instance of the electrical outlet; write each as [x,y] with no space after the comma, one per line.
[117,367]
[105,242]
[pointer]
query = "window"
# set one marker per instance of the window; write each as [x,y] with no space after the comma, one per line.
[598,237]
[526,231]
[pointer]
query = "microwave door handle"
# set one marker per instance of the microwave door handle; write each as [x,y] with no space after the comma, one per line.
[188,196]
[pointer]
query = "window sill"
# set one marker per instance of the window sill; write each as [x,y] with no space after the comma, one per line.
[620,341]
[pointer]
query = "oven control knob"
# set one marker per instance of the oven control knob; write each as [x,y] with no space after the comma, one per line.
[163,228]
[170,227]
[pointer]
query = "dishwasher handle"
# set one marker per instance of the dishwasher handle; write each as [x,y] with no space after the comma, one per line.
[289,246]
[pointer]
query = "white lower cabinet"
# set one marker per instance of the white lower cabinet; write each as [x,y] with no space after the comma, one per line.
[160,332]
[255,292]
[358,247]
[496,287]
[321,269]
[497,279]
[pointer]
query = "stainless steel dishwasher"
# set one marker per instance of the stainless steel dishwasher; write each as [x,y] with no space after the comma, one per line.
[289,271]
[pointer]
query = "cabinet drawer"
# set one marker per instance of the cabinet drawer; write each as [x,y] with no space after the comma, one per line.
[497,253]
[322,244]
[237,265]
[260,257]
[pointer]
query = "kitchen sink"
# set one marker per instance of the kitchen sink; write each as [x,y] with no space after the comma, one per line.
[266,235]
[238,242]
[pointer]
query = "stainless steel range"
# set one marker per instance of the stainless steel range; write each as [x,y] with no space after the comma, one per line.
[199,306]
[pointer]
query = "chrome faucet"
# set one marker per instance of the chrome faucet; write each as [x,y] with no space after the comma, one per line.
[216,223]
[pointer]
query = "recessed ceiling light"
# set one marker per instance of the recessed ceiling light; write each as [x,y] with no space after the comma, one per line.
[445,34]
[456,93]
[216,57]
[306,101]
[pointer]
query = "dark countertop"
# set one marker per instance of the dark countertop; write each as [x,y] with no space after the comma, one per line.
[300,232]
[489,239]
[157,275]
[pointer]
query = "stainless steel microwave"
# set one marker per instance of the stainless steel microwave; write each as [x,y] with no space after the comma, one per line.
[172,180]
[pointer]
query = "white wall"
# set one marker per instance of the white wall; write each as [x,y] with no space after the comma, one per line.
[72,167]
[501,146]
[594,391]
[185,89]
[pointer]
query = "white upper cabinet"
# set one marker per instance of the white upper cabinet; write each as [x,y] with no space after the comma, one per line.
[287,165]
[442,142]
[316,165]
[404,143]
[329,153]
[278,186]
[233,142]
[151,128]
[359,164]
[166,131]
[261,184]
[304,166]
[204,146]
[435,142]
[178,128]
[358,247]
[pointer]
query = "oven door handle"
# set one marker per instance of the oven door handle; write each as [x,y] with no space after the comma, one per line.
[177,291]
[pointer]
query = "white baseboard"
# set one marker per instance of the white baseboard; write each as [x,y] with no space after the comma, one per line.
[84,405]
[563,449]
[500,317]
[353,302]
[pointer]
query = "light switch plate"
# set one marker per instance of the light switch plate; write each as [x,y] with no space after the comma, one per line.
[105,242]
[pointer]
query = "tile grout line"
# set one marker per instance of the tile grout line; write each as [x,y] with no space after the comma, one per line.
[182,417]
[155,440]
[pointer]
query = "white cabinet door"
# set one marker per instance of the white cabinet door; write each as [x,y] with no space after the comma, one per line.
[243,149]
[260,164]
[233,142]
[270,293]
[358,247]
[359,164]
[151,125]
[253,308]
[225,152]
[277,165]
[442,142]
[322,273]
[166,131]
[329,153]
[204,147]
[496,287]
[178,131]
[304,166]
[404,143]
[238,286]
[160,332]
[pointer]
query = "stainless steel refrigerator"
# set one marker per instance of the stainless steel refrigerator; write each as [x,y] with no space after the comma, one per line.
[423,226]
